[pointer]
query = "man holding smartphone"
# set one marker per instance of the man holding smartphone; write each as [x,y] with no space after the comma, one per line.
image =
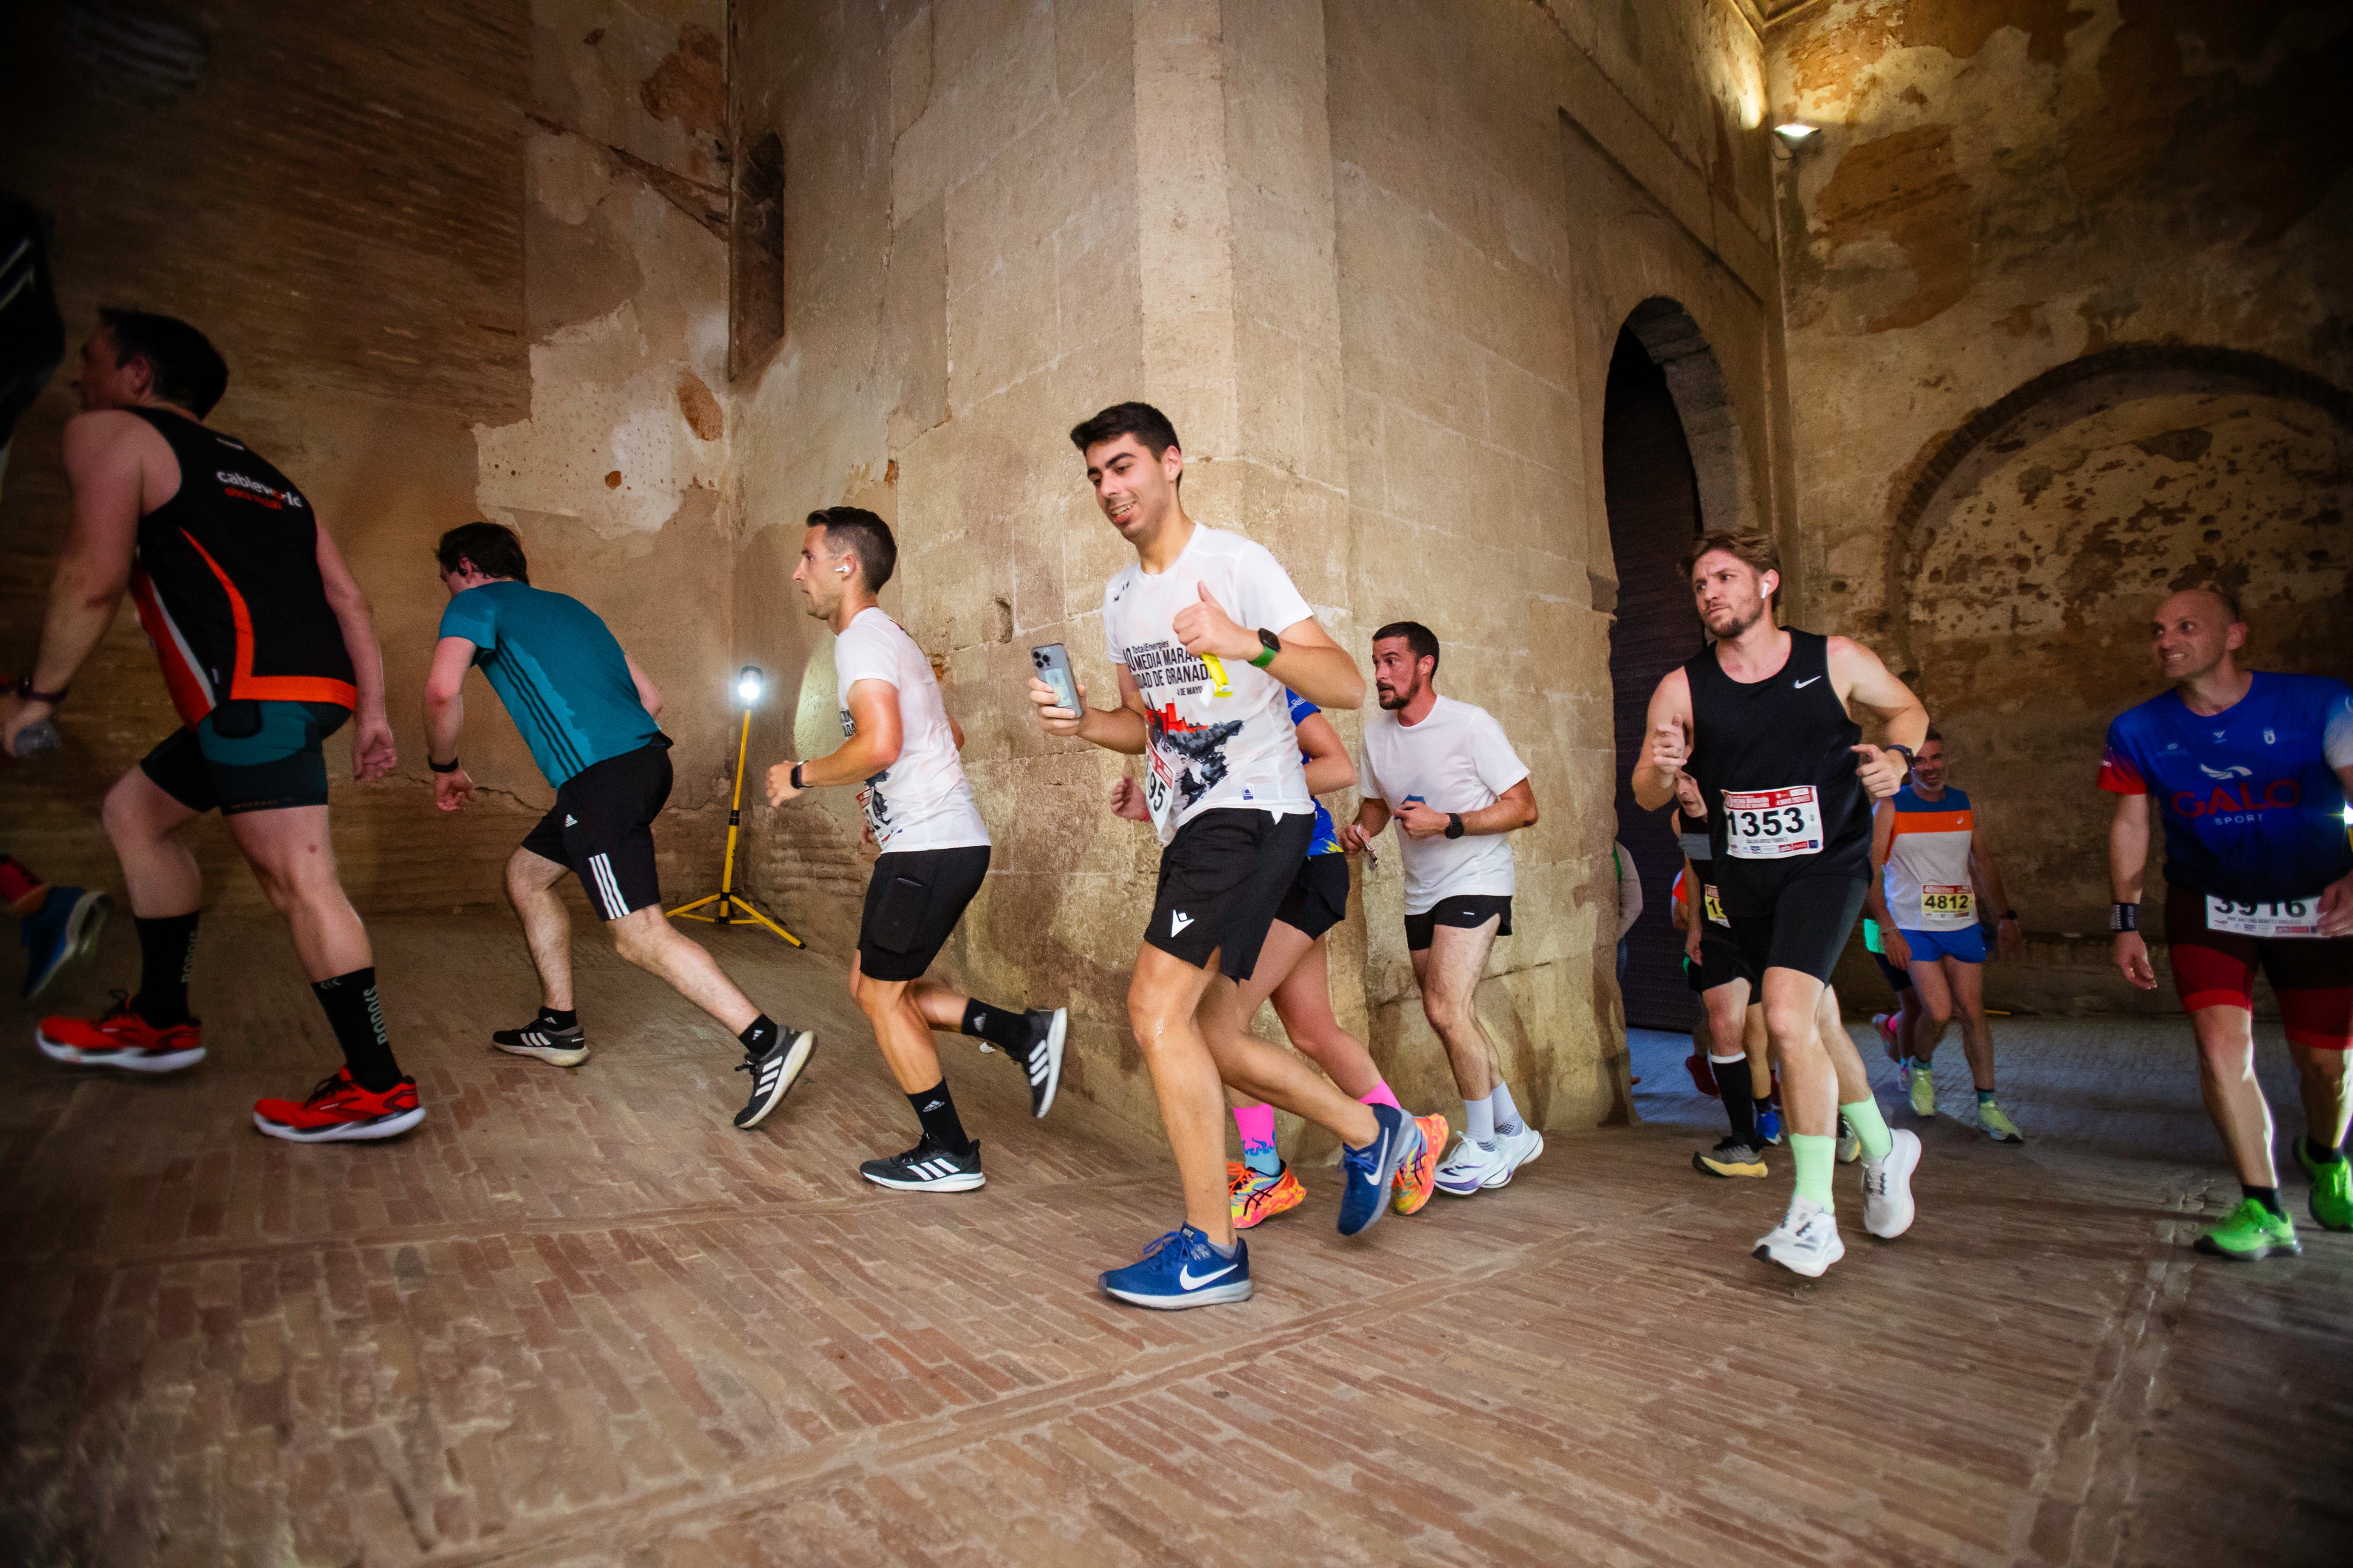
[900,743]
[1206,630]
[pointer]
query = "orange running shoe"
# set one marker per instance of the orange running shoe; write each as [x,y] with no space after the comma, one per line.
[340,1109]
[1416,1182]
[1253,1198]
[121,1039]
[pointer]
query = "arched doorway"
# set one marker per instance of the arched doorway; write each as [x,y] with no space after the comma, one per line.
[1653,498]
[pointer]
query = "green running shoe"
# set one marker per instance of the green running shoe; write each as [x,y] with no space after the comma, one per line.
[1996,1123]
[2332,1190]
[1923,1090]
[2250,1233]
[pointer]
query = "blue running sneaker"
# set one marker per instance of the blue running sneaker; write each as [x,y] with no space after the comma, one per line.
[1367,1171]
[1769,1125]
[1182,1269]
[65,928]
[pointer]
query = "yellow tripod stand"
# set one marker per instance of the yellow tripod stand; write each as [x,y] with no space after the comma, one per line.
[729,906]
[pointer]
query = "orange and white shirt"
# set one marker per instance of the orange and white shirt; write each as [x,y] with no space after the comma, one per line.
[1927,878]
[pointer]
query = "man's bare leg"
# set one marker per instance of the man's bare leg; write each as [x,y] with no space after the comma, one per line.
[2328,1109]
[159,870]
[294,860]
[2226,1080]
[546,924]
[647,939]
[1966,981]
[1448,971]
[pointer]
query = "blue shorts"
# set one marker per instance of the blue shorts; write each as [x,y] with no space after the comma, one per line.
[1964,943]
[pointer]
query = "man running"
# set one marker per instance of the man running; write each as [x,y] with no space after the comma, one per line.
[2252,771]
[588,713]
[268,648]
[900,744]
[1444,771]
[1760,718]
[1739,1064]
[1294,973]
[1206,630]
[1929,863]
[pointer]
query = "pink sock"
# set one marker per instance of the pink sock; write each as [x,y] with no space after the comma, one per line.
[1256,1124]
[1382,1095]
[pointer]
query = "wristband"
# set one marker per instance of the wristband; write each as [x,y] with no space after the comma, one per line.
[2123,917]
[1268,646]
[450,767]
[796,777]
[1453,824]
[25,691]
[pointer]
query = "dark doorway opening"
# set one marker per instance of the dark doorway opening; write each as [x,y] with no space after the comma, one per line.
[1653,501]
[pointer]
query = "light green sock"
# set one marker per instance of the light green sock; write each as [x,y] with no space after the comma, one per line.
[1871,1127]
[1817,1158]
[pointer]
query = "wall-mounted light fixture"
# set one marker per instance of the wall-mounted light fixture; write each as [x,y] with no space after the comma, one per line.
[1794,132]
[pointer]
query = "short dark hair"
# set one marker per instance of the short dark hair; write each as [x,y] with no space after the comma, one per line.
[188,371]
[1419,639]
[1756,550]
[492,548]
[1146,423]
[864,535]
[1934,734]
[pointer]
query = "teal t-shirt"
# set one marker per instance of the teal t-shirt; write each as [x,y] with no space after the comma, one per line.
[559,670]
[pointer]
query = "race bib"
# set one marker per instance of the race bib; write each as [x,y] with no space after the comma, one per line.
[1160,793]
[2271,918]
[1948,903]
[1771,824]
[1715,905]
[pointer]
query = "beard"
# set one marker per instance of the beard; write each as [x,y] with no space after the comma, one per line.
[1731,622]
[1392,698]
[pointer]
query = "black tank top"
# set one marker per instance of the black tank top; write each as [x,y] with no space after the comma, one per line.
[1772,758]
[228,581]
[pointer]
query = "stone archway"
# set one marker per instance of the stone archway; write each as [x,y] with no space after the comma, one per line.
[2030,545]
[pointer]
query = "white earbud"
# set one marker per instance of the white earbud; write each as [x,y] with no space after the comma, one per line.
[843,570]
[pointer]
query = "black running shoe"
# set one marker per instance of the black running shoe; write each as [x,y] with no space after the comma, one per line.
[927,1168]
[773,1073]
[563,1048]
[1043,1061]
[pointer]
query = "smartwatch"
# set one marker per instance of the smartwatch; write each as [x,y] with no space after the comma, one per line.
[795,776]
[1453,824]
[1270,645]
[1908,758]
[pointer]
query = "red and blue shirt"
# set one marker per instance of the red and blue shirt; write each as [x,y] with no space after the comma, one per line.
[2250,798]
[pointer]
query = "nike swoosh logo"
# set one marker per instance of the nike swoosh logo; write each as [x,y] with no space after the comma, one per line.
[1801,684]
[1186,1280]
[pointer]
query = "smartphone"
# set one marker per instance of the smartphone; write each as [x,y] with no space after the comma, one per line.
[1053,663]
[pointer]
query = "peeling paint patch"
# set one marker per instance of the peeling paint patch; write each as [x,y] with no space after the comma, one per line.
[1906,186]
[689,86]
[704,415]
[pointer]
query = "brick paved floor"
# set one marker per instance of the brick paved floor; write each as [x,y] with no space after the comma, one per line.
[579,1318]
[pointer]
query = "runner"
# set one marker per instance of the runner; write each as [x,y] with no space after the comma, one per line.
[57,925]
[1929,861]
[1443,770]
[1733,1075]
[1895,1029]
[1201,698]
[899,745]
[2250,770]
[1294,973]
[587,712]
[268,648]
[1760,718]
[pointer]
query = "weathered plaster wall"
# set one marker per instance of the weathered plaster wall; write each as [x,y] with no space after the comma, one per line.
[2065,206]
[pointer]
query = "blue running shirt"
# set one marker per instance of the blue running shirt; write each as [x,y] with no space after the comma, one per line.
[1327,839]
[559,670]
[2252,808]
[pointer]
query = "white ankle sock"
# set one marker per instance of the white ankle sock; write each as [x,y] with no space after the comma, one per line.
[1478,1123]
[1506,1114]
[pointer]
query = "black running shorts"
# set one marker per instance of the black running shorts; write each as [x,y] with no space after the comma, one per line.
[912,903]
[1807,931]
[1318,899]
[601,827]
[1467,912]
[1898,980]
[1223,878]
[249,755]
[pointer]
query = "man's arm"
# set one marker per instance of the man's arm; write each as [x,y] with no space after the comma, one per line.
[1862,681]
[1670,726]
[2127,859]
[1329,766]
[444,720]
[102,469]
[1311,663]
[649,695]
[2337,899]
[1372,817]
[1988,877]
[1513,809]
[873,745]
[1629,890]
[1123,728]
[373,752]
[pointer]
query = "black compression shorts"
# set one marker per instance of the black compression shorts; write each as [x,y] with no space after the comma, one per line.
[1807,931]
[912,903]
[247,756]
[1223,878]
[601,827]
[1318,897]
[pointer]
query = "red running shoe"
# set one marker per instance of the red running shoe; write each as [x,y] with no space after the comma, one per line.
[1702,1073]
[121,1039]
[340,1109]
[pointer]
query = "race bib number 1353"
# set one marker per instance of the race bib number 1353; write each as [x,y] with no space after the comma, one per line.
[1770,823]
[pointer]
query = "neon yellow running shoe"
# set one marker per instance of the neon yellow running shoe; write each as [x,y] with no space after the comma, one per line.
[2250,1233]
[1996,1123]
[2332,1189]
[1923,1090]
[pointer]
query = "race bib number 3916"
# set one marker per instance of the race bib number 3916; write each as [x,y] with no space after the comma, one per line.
[2271,918]
[1770,824]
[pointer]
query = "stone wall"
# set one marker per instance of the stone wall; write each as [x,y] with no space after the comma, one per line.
[2067,323]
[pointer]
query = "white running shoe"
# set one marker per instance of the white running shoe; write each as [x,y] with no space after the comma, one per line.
[1806,1241]
[1467,1168]
[1514,1149]
[1887,1208]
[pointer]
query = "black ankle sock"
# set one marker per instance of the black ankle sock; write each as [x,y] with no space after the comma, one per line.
[1739,1106]
[167,951]
[1002,1027]
[936,1109]
[554,1019]
[2321,1154]
[2267,1196]
[357,1019]
[760,1035]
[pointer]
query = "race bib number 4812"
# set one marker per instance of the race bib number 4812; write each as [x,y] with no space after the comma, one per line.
[1770,823]
[2271,918]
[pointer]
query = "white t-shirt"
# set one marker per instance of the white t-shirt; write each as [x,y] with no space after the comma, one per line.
[1456,759]
[1222,737]
[921,801]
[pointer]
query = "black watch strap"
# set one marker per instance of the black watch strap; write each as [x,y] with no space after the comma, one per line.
[448,767]
[1453,824]
[797,777]
[25,691]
